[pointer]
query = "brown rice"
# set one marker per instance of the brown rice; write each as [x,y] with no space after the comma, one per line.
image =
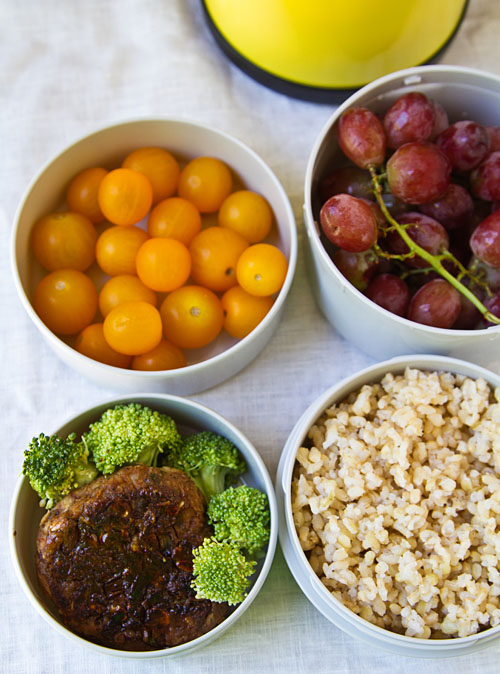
[396,502]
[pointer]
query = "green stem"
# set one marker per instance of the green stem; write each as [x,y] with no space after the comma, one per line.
[434,261]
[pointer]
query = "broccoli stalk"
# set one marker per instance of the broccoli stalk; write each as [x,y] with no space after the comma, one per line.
[221,572]
[211,460]
[128,434]
[55,466]
[240,515]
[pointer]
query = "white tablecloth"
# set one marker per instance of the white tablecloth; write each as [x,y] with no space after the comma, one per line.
[67,68]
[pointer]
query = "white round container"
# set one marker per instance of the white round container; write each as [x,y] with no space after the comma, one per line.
[465,94]
[333,609]
[26,513]
[224,357]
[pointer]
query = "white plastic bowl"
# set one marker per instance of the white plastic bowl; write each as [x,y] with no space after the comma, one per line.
[26,513]
[223,358]
[466,94]
[333,609]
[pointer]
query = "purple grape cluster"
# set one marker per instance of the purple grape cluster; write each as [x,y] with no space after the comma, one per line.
[413,220]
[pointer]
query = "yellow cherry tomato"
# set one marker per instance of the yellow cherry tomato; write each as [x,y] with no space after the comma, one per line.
[214,255]
[66,301]
[133,328]
[163,264]
[247,213]
[125,196]
[91,343]
[124,288]
[175,218]
[242,311]
[81,195]
[192,316]
[64,241]
[261,269]
[165,356]
[206,182]
[117,247]
[159,166]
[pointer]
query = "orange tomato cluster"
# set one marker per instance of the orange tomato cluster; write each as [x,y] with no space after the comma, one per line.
[182,254]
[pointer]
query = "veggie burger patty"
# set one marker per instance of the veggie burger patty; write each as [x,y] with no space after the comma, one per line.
[115,557]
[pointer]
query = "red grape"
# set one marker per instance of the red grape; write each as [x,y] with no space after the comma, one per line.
[440,120]
[481,211]
[361,137]
[493,306]
[357,268]
[459,218]
[348,222]
[490,275]
[454,209]
[494,136]
[436,303]
[426,232]
[465,143]
[469,316]
[411,117]
[390,292]
[394,205]
[379,216]
[485,179]
[346,180]
[418,173]
[460,244]
[485,240]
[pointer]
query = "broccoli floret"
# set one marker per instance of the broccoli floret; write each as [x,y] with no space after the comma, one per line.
[128,434]
[55,466]
[222,565]
[211,460]
[240,515]
[221,572]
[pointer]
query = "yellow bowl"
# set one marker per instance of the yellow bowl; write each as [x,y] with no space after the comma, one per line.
[314,48]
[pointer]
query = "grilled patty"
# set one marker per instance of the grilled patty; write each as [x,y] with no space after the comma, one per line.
[115,557]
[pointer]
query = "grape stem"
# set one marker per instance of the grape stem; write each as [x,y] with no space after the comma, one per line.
[434,261]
